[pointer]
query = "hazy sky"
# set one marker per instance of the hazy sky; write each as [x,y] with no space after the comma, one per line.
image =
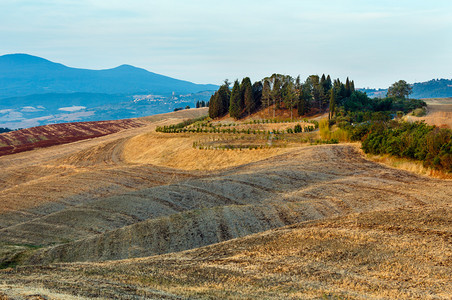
[375,42]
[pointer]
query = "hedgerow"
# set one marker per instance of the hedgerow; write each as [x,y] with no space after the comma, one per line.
[429,144]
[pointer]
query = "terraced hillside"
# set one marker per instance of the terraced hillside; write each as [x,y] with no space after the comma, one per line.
[300,222]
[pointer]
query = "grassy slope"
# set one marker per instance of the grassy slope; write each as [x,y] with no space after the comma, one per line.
[439,112]
[98,199]
[199,211]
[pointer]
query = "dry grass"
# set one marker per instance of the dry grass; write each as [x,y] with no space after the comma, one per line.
[358,229]
[176,151]
[396,254]
[91,168]
[336,133]
[439,112]
[408,165]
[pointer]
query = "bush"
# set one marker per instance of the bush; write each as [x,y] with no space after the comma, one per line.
[297,128]
[419,112]
[417,140]
[325,132]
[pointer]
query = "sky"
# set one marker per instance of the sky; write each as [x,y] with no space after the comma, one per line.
[374,42]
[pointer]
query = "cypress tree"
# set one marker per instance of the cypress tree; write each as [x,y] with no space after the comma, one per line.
[322,79]
[332,104]
[276,92]
[352,86]
[304,100]
[234,107]
[257,93]
[219,102]
[247,100]
[329,82]
[214,106]
[224,95]
[266,93]
[323,84]
[348,89]
[315,89]
[324,91]
[289,96]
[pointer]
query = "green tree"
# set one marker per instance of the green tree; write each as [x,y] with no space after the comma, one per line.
[266,93]
[234,107]
[247,100]
[224,95]
[257,93]
[332,104]
[304,100]
[219,102]
[400,89]
[289,96]
[328,83]
[348,88]
[341,93]
[214,106]
[276,91]
[315,89]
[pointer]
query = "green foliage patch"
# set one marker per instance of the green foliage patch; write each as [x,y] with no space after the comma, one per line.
[429,144]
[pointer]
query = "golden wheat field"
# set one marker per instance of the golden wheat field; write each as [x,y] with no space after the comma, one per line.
[140,214]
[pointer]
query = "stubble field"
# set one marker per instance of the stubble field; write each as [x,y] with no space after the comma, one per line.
[139,214]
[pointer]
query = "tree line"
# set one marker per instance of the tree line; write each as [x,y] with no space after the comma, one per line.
[202,104]
[315,94]
[2,130]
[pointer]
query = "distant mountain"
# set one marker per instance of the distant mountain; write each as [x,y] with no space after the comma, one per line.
[22,75]
[435,88]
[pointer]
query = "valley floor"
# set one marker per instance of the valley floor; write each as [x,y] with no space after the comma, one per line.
[132,215]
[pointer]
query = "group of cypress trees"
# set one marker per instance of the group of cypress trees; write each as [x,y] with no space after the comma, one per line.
[202,104]
[243,100]
[280,91]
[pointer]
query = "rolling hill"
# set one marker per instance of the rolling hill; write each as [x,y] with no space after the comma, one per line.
[143,214]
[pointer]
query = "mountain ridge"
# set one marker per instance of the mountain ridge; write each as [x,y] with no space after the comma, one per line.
[23,74]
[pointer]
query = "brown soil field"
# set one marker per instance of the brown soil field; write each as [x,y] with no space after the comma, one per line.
[50,135]
[439,112]
[143,215]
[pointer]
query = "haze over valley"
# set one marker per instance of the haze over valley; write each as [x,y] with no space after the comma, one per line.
[53,93]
